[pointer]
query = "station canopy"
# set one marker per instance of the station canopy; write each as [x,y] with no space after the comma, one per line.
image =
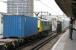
[68,7]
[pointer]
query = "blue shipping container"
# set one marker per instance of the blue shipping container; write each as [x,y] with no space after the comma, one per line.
[19,26]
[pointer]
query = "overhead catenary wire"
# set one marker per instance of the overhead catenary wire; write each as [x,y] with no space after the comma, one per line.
[51,10]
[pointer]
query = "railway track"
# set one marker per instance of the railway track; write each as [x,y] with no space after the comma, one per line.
[39,44]
[44,41]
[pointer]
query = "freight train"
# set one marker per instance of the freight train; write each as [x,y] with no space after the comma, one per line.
[16,28]
[23,26]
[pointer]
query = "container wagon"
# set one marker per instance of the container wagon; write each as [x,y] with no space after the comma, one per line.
[16,28]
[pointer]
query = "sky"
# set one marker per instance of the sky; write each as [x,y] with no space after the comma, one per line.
[47,5]
[39,5]
[3,7]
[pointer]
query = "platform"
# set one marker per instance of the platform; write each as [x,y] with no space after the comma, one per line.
[64,43]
